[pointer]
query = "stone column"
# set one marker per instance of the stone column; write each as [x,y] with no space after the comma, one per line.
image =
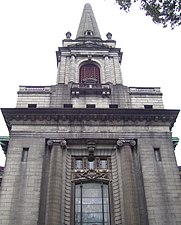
[54,192]
[130,195]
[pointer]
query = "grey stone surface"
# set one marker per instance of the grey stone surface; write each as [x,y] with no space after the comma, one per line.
[40,191]
[88,23]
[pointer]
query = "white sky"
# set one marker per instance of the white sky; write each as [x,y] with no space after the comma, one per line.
[32,30]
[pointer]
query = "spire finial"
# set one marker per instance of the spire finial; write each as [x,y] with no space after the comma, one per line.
[88,25]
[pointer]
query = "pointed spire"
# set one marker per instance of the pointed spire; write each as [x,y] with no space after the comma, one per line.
[88,25]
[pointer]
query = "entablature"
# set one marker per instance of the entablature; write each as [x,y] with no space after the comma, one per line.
[126,116]
[98,43]
[101,52]
[86,51]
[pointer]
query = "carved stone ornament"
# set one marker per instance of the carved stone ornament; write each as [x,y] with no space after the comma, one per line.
[80,175]
[132,143]
[109,36]
[68,35]
[89,57]
[122,142]
[50,143]
[61,142]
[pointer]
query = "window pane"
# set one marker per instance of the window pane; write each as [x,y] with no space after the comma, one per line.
[91,192]
[78,192]
[106,208]
[106,217]
[92,185]
[105,191]
[78,164]
[103,164]
[92,217]
[91,201]
[91,165]
[106,201]
[77,217]
[78,201]
[92,208]
[92,204]
[78,208]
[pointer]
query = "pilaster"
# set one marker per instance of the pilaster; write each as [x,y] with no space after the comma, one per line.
[54,195]
[130,198]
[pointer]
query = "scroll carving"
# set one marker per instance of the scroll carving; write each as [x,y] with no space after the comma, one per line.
[61,142]
[121,142]
[91,175]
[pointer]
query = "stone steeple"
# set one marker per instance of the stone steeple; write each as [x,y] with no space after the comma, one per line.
[88,26]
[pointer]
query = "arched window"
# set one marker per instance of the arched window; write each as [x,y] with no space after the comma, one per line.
[92,204]
[89,74]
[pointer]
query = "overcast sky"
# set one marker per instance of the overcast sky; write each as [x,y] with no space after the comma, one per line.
[32,30]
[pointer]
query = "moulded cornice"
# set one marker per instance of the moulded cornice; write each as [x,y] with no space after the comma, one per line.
[13,115]
[84,46]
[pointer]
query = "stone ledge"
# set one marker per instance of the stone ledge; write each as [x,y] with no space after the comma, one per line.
[85,114]
[144,91]
[34,90]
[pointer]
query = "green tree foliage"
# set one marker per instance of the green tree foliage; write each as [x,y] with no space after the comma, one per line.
[166,12]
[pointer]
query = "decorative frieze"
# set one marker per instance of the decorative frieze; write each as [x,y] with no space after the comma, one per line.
[96,174]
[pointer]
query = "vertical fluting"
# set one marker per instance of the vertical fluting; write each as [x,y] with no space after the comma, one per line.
[117,218]
[130,198]
[54,197]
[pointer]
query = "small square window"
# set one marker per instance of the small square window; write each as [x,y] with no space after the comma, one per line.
[78,164]
[103,164]
[90,106]
[32,105]
[67,105]
[148,106]
[113,106]
[91,165]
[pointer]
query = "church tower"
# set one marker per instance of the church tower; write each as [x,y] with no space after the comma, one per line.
[90,150]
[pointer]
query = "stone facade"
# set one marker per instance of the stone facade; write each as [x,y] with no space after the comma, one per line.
[84,131]
[1,174]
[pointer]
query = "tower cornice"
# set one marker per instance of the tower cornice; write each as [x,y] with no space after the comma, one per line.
[81,49]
